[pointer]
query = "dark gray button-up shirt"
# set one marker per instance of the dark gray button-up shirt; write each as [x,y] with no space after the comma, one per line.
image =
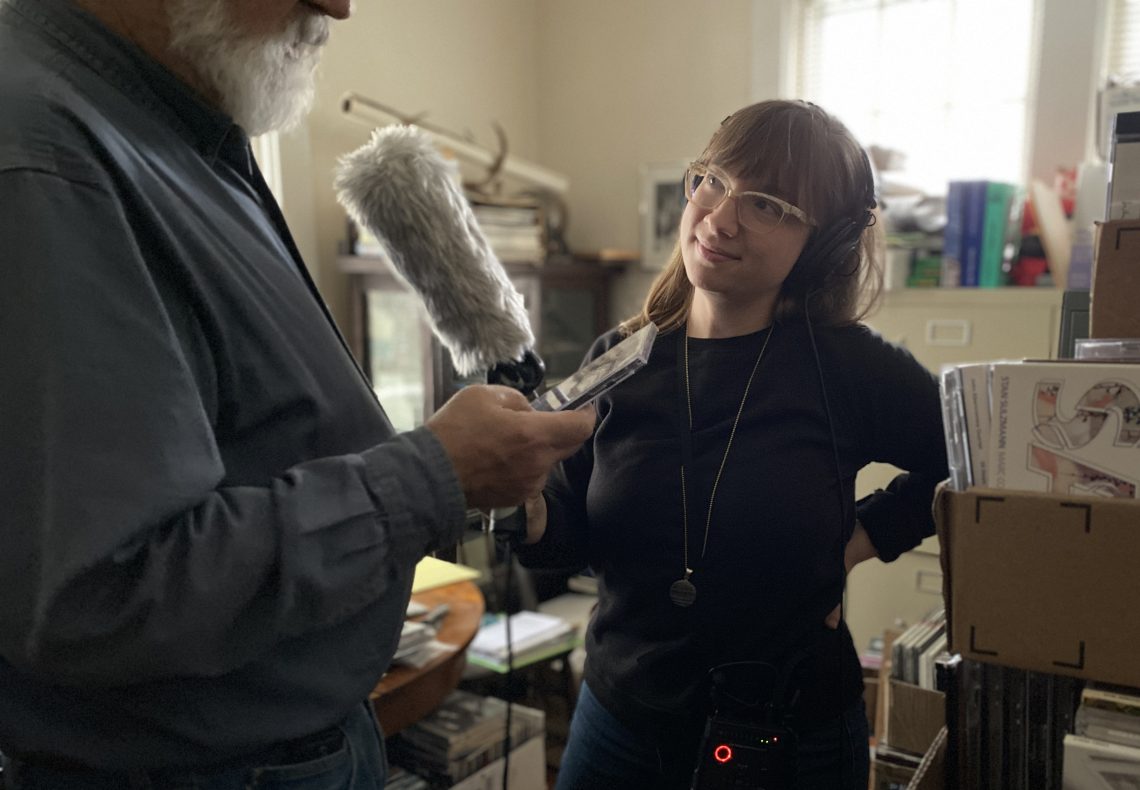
[207,524]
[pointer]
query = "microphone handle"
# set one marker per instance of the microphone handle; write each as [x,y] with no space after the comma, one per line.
[524,375]
[508,522]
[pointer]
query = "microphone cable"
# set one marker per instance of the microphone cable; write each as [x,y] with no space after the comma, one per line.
[842,499]
[525,375]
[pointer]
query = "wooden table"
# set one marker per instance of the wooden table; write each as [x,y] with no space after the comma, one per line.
[404,695]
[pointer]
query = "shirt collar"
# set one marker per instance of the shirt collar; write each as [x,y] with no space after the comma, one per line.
[212,133]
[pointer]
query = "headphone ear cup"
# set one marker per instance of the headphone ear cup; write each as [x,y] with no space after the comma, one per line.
[822,254]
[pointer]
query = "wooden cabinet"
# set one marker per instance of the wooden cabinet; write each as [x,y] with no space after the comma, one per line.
[940,327]
[567,302]
[574,309]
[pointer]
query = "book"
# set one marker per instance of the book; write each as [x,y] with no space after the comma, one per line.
[966,420]
[465,733]
[1090,764]
[399,778]
[529,631]
[996,230]
[951,269]
[1111,701]
[527,770]
[1066,427]
[464,722]
[1107,726]
[973,228]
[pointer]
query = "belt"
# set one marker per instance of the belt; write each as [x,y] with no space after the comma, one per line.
[291,752]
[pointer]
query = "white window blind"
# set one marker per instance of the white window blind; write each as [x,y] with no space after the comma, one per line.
[945,82]
[1124,40]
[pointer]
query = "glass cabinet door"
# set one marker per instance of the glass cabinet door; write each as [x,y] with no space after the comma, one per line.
[398,349]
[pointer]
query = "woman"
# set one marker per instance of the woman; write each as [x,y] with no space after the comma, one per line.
[715,501]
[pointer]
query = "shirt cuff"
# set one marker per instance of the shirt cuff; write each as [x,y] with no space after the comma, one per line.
[416,492]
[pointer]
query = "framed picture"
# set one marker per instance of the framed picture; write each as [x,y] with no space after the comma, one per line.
[662,201]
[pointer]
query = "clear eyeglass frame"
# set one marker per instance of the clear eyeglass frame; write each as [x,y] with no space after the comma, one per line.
[755,223]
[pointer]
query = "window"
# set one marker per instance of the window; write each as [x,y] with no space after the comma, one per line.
[945,82]
[1124,40]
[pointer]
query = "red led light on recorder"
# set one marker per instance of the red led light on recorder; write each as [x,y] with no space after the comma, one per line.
[722,753]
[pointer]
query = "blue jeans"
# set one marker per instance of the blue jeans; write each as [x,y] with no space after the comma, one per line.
[358,765]
[604,754]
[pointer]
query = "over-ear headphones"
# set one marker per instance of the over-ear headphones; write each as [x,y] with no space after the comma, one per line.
[832,245]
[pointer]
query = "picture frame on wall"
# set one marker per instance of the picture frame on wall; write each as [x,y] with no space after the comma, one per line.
[662,201]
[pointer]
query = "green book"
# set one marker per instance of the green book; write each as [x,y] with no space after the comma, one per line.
[995,231]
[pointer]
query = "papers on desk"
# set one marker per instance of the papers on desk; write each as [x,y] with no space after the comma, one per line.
[534,636]
[432,573]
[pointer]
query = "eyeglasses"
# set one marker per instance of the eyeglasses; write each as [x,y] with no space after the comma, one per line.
[758,211]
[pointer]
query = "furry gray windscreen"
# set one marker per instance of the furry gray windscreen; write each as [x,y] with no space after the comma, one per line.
[400,187]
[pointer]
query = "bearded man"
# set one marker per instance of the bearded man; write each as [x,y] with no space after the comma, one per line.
[208,526]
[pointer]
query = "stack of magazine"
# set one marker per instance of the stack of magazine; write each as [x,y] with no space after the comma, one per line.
[465,733]
[1068,427]
[1105,750]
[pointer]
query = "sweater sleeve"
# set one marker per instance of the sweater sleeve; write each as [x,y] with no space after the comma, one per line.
[902,425]
[564,544]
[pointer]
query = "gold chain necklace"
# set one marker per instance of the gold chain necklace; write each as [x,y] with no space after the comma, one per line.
[682,592]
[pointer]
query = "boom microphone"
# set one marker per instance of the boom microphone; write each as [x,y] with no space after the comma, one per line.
[400,188]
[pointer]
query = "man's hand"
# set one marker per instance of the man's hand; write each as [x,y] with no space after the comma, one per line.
[501,448]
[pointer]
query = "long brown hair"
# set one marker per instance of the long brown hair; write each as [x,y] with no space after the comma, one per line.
[812,160]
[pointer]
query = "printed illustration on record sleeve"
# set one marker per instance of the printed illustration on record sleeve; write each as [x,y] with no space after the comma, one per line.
[1106,403]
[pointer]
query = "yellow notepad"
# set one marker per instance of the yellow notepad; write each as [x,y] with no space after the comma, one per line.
[432,573]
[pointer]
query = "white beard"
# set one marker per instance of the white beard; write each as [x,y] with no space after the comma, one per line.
[264,83]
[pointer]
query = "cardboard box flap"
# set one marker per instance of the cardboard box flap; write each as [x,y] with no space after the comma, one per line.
[1042,581]
[1116,280]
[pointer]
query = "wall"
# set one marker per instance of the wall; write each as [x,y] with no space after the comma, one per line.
[631,83]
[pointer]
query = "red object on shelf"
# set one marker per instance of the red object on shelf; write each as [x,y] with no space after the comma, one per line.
[1025,271]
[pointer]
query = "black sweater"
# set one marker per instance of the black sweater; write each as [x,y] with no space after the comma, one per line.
[773,567]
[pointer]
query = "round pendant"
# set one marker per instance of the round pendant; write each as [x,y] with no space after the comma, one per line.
[682,592]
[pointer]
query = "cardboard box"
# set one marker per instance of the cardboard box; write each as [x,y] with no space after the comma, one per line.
[1116,280]
[915,716]
[1043,582]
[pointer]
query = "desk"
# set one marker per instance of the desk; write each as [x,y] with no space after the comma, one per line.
[404,695]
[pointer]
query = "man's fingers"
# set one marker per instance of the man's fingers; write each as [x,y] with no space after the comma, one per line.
[509,398]
[566,430]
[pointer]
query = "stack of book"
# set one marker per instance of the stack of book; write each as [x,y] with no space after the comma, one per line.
[1066,427]
[533,637]
[402,779]
[983,219]
[914,651]
[464,734]
[1105,750]
[513,229]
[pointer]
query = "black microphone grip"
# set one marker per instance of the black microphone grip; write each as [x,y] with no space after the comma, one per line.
[524,375]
